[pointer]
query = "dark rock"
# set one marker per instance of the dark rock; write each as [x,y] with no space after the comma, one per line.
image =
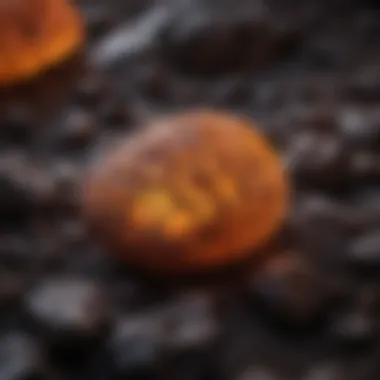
[23,184]
[190,323]
[131,39]
[135,345]
[78,130]
[12,285]
[258,374]
[318,210]
[116,114]
[209,37]
[189,333]
[154,81]
[360,126]
[69,311]
[66,177]
[365,165]
[363,85]
[321,213]
[364,250]
[91,89]
[72,233]
[19,358]
[291,289]
[354,327]
[15,252]
[366,208]
[318,159]
[356,322]
[17,125]
[320,225]
[268,95]
[324,371]
[99,19]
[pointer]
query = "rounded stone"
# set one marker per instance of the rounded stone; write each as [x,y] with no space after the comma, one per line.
[189,192]
[36,34]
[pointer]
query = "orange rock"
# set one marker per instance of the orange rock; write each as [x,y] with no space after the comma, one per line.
[35,35]
[189,192]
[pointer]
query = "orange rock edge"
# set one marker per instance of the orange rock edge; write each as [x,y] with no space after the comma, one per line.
[190,192]
[36,35]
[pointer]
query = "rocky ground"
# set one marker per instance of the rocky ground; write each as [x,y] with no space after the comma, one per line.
[309,73]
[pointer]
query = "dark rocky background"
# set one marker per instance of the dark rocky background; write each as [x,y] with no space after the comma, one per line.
[309,73]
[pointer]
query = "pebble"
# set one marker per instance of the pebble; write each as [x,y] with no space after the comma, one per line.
[91,89]
[99,20]
[15,252]
[116,113]
[68,309]
[365,165]
[318,159]
[364,249]
[319,225]
[319,209]
[356,321]
[154,81]
[360,126]
[23,184]
[78,130]
[364,85]
[190,323]
[12,285]
[135,344]
[66,179]
[257,374]
[202,37]
[16,125]
[19,358]
[291,289]
[354,328]
[130,39]
[324,371]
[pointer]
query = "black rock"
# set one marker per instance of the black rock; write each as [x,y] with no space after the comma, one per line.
[291,289]
[324,371]
[17,125]
[209,37]
[70,312]
[365,166]
[20,358]
[320,226]
[77,131]
[356,321]
[135,346]
[353,328]
[131,40]
[15,254]
[258,374]
[23,185]
[363,85]
[318,159]
[116,113]
[364,250]
[99,19]
[360,126]
[91,89]
[154,81]
[66,178]
[190,323]
[12,285]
